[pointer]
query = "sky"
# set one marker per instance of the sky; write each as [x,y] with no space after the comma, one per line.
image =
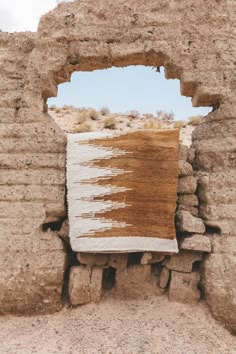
[124,89]
[120,89]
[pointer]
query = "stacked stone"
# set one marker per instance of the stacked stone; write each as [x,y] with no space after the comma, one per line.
[154,273]
[86,282]
[184,276]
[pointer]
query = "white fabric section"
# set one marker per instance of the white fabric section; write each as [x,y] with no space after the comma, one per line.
[124,244]
[87,226]
[81,204]
[82,190]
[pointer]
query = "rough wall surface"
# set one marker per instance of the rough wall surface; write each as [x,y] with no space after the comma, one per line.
[32,180]
[195,42]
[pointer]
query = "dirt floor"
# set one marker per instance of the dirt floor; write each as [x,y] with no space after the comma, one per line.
[130,327]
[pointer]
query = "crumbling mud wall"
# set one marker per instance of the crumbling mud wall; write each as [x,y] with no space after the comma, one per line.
[195,43]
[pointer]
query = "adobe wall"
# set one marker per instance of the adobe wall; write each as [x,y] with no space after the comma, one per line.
[193,40]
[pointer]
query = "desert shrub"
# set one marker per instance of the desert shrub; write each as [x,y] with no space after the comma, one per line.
[178,124]
[105,111]
[153,124]
[94,115]
[68,107]
[82,128]
[55,109]
[110,123]
[195,120]
[134,114]
[165,116]
[149,116]
[83,116]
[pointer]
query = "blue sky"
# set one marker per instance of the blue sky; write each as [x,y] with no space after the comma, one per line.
[124,89]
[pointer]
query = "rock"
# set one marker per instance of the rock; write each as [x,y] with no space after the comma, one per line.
[136,282]
[185,222]
[151,258]
[147,256]
[191,155]
[218,282]
[183,261]
[187,185]
[196,242]
[185,169]
[164,278]
[92,259]
[118,261]
[64,231]
[188,199]
[79,285]
[183,287]
[183,152]
[96,284]
[192,210]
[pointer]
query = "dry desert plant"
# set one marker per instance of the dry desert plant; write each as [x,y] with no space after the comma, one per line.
[68,107]
[134,114]
[82,128]
[178,124]
[110,123]
[153,124]
[105,111]
[57,109]
[94,115]
[83,116]
[195,120]
[165,116]
[149,116]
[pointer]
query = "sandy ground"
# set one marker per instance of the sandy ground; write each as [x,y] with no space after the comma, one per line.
[147,326]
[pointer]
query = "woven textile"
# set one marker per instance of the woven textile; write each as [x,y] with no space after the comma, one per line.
[122,191]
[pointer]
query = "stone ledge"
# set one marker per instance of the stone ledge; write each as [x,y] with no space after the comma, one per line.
[85,285]
[185,169]
[93,259]
[188,199]
[196,242]
[183,261]
[192,210]
[151,258]
[185,222]
[187,185]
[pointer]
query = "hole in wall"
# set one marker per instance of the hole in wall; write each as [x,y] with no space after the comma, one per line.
[211,230]
[109,278]
[134,258]
[53,226]
[87,104]
[120,98]
[132,90]
[196,266]
[71,260]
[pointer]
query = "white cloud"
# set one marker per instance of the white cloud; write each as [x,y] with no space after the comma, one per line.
[23,15]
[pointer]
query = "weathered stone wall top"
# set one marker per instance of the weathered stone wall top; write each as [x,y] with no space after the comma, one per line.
[188,37]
